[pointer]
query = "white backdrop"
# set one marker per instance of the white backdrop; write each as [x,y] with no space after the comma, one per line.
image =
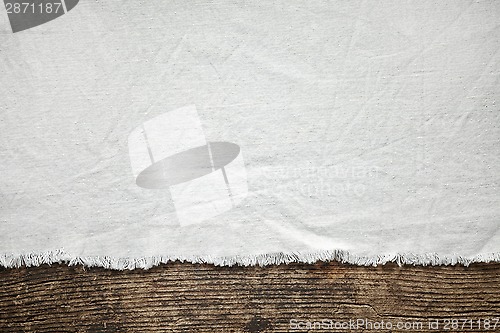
[367,132]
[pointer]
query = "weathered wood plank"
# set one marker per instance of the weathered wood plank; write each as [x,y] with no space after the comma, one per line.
[203,298]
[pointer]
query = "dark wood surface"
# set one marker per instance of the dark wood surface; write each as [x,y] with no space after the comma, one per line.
[204,298]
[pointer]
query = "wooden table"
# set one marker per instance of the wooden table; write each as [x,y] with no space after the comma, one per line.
[182,297]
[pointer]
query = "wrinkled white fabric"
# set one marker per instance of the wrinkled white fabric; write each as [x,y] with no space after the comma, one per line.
[357,131]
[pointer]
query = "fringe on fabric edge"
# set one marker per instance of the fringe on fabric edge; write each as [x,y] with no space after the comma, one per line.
[61,257]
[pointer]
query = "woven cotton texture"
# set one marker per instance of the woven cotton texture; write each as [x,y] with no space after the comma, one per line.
[133,133]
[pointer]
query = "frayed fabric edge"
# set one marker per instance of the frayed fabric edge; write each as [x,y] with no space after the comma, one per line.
[61,257]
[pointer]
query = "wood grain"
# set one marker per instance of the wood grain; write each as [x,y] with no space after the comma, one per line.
[181,297]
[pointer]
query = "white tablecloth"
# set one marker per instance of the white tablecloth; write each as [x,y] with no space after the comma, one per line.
[363,132]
